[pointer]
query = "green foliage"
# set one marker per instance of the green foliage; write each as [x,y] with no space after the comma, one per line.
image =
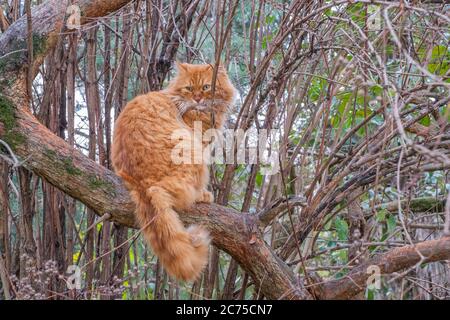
[259,179]
[267,39]
[341,228]
[440,60]
[391,223]
[317,88]
[381,215]
[425,121]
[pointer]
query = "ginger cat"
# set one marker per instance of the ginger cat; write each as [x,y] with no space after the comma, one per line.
[141,155]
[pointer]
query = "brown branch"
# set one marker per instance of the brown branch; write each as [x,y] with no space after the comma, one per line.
[392,261]
[271,211]
[48,21]
[423,204]
[4,23]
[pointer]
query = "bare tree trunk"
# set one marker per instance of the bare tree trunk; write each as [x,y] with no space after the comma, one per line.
[4,214]
[93,101]
[27,246]
[71,205]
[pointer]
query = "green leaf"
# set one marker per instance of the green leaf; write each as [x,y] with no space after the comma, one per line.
[391,223]
[259,179]
[343,255]
[270,19]
[76,256]
[341,228]
[425,121]
[439,52]
[265,41]
[381,215]
[446,112]
[440,60]
[370,294]
[328,225]
[316,89]
[328,12]
[376,91]
[357,12]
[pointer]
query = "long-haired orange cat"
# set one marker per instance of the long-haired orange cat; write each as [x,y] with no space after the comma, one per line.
[141,155]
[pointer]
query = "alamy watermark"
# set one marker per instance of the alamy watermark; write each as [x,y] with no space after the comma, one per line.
[374,280]
[74,278]
[226,147]
[374,22]
[74,17]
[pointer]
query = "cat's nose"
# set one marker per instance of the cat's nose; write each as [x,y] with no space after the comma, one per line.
[198,99]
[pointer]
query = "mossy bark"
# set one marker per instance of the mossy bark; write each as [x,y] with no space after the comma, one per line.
[48,20]
[8,130]
[424,204]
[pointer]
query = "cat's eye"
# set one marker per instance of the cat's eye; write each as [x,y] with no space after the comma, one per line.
[188,88]
[206,87]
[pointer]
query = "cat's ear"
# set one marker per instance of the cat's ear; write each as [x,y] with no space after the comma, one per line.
[180,67]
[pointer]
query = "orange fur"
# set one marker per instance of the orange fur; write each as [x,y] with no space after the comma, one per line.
[141,155]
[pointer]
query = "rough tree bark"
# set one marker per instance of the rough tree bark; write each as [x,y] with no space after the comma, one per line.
[57,162]
[389,262]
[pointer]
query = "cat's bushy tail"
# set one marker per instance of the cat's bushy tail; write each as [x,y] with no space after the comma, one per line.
[183,252]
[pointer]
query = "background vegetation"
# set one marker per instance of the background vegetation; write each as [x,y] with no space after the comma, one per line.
[358,92]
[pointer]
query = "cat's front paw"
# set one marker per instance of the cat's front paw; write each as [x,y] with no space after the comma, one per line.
[206,197]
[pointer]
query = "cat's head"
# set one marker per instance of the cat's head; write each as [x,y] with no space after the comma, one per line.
[192,87]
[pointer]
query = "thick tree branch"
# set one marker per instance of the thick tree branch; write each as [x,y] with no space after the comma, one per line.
[392,261]
[48,21]
[424,204]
